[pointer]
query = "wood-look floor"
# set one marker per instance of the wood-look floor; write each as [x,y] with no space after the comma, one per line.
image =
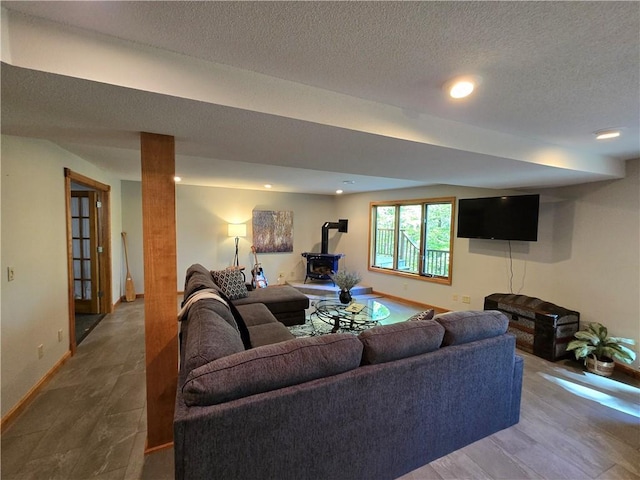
[573,425]
[88,422]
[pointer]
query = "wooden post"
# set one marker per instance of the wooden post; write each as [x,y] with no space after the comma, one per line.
[160,279]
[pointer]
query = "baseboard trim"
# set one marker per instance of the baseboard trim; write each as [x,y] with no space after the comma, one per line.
[123,299]
[28,398]
[426,306]
[627,370]
[148,451]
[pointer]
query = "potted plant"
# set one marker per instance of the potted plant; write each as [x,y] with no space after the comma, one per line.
[345,280]
[599,350]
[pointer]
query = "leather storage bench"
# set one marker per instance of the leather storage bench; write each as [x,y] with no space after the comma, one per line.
[540,327]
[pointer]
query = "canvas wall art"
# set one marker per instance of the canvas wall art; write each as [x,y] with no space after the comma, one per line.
[273,231]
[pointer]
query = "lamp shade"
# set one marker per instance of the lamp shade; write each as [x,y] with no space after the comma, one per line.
[237,230]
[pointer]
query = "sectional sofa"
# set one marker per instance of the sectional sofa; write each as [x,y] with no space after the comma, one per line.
[255,403]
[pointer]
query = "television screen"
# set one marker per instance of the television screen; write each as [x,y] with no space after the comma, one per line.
[499,218]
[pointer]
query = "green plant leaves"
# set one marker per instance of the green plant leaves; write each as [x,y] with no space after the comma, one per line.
[595,341]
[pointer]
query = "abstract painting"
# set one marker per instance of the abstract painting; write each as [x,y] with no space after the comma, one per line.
[273,231]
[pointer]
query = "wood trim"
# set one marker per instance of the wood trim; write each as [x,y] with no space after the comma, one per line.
[148,450]
[627,370]
[160,279]
[426,306]
[89,182]
[70,286]
[31,394]
[104,234]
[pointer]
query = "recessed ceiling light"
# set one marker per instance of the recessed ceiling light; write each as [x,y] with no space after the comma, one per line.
[267,185]
[462,87]
[348,182]
[605,134]
[177,179]
[338,192]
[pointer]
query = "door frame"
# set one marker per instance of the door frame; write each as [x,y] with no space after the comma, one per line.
[104,239]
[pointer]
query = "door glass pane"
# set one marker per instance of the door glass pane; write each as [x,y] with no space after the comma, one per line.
[384,226]
[86,269]
[76,269]
[84,211]
[77,287]
[75,209]
[75,227]
[437,239]
[409,238]
[86,248]
[86,231]
[77,253]
[87,290]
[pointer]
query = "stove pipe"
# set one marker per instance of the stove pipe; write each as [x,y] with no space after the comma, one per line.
[341,225]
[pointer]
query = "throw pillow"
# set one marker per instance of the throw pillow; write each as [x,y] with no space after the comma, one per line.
[231,282]
[426,315]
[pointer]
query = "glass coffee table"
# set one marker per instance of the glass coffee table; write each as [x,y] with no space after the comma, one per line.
[349,317]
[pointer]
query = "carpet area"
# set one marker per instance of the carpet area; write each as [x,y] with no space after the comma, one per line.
[315,327]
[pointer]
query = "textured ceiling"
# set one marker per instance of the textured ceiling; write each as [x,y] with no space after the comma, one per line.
[552,73]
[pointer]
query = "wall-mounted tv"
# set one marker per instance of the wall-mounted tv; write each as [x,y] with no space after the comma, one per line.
[499,218]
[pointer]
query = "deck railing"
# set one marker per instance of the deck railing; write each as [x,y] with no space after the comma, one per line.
[436,261]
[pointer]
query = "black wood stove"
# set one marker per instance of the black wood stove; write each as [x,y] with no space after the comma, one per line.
[321,265]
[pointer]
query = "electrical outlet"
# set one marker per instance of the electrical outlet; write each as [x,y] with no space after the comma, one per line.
[60,335]
[10,274]
[454,297]
[40,351]
[466,299]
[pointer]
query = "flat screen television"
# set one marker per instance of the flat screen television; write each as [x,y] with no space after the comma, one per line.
[499,218]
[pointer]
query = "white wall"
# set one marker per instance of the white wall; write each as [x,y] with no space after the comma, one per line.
[587,256]
[203,214]
[34,243]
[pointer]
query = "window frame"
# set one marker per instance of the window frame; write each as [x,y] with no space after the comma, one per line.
[423,203]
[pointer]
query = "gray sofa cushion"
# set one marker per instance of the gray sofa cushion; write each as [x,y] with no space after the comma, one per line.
[212,333]
[469,326]
[256,314]
[271,367]
[278,299]
[197,278]
[269,333]
[387,343]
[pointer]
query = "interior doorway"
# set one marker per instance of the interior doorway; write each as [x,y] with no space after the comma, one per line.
[88,254]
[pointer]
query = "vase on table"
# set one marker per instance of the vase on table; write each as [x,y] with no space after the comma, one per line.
[345,296]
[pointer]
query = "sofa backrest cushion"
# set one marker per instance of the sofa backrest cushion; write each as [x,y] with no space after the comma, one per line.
[469,326]
[270,367]
[197,278]
[212,333]
[386,343]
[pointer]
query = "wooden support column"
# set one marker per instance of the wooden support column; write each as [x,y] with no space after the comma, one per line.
[160,280]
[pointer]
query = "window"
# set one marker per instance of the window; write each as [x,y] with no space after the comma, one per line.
[413,238]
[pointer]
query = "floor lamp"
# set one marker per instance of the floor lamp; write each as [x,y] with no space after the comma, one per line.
[237,230]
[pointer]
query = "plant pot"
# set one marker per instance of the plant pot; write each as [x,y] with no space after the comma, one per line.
[600,367]
[345,296]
